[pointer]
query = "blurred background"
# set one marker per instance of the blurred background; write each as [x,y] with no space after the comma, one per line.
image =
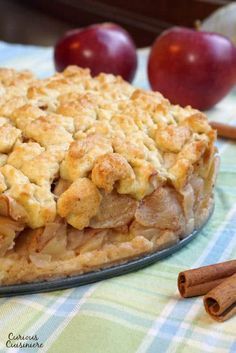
[42,22]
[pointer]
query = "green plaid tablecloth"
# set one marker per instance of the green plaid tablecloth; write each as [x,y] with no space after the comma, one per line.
[139,312]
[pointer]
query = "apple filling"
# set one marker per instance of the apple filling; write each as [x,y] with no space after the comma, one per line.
[122,228]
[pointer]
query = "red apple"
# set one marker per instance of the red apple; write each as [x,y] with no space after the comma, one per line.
[102,47]
[191,67]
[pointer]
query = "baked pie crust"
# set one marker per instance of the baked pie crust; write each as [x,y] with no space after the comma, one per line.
[94,172]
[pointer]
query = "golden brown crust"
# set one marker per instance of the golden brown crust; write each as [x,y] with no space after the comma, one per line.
[171,138]
[82,154]
[9,135]
[79,203]
[109,169]
[95,172]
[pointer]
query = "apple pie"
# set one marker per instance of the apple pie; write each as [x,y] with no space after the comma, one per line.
[95,172]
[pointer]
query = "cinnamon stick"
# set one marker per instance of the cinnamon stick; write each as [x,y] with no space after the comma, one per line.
[224,130]
[220,302]
[200,281]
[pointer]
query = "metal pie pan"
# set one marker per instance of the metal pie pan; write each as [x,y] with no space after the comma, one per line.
[98,275]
